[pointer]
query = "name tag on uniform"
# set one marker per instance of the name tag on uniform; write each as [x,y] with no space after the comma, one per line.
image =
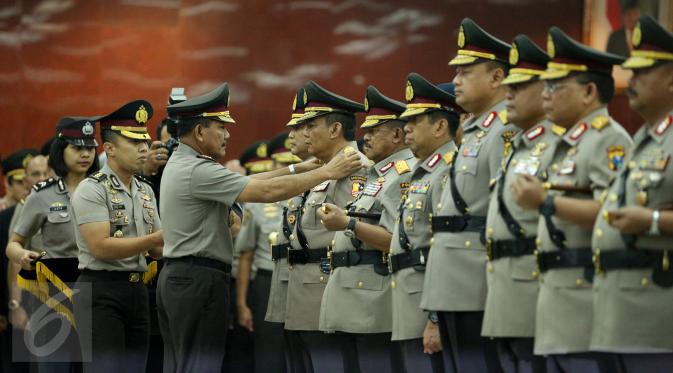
[321,187]
[58,208]
[419,187]
[118,206]
[372,189]
[528,166]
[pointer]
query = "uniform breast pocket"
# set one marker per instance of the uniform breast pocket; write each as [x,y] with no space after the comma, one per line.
[367,205]
[524,268]
[361,278]
[311,218]
[58,217]
[411,281]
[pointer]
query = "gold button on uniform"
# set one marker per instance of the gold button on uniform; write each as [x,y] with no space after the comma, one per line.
[322,279]
[393,284]
[599,233]
[468,243]
[292,237]
[579,282]
[360,284]
[538,242]
[644,281]
[489,267]
[432,241]
[535,274]
[464,168]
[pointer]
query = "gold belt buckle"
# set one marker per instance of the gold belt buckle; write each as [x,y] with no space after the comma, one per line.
[134,277]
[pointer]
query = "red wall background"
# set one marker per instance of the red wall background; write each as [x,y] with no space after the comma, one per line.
[76,57]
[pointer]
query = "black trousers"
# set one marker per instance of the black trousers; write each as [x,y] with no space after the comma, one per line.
[652,363]
[584,362]
[464,349]
[239,353]
[119,328]
[376,353]
[269,341]
[193,306]
[414,360]
[516,356]
[296,357]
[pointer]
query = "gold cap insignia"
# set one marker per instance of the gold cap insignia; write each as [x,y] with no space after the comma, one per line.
[461,37]
[637,36]
[409,93]
[288,143]
[366,104]
[294,103]
[141,114]
[513,55]
[26,160]
[551,51]
[261,151]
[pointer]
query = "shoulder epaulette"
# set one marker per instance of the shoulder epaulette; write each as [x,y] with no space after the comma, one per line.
[44,184]
[600,122]
[98,176]
[503,116]
[143,179]
[558,130]
[402,167]
[449,157]
[202,156]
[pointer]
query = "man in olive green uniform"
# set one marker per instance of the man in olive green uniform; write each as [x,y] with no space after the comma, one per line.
[197,210]
[633,295]
[455,280]
[357,297]
[260,221]
[117,221]
[433,121]
[578,87]
[329,131]
[511,273]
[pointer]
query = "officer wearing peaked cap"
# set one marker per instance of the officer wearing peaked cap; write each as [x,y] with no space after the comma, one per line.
[357,299]
[329,130]
[433,121]
[197,200]
[118,224]
[634,283]
[14,168]
[253,243]
[48,213]
[511,272]
[455,281]
[578,87]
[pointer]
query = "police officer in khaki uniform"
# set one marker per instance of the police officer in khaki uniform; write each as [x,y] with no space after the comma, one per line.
[196,210]
[578,87]
[117,221]
[433,121]
[260,221]
[329,132]
[511,273]
[455,281]
[633,294]
[357,297]
[275,312]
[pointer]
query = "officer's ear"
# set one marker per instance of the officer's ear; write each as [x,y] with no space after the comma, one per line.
[109,148]
[441,127]
[198,132]
[589,93]
[335,130]
[398,135]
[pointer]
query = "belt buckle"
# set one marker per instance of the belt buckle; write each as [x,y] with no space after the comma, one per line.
[389,260]
[421,257]
[134,277]
[329,259]
[489,249]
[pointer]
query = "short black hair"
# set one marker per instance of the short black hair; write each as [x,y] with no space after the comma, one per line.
[605,84]
[57,163]
[185,126]
[347,123]
[108,135]
[160,127]
[453,118]
[492,65]
[395,123]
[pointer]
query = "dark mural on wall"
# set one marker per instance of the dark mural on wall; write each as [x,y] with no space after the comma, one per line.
[86,57]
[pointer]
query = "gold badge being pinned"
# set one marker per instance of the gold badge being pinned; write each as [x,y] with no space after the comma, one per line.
[637,36]
[261,150]
[513,55]
[118,234]
[141,114]
[461,37]
[366,104]
[551,50]
[409,92]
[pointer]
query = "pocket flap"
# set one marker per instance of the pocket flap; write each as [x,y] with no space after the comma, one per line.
[361,278]
[57,217]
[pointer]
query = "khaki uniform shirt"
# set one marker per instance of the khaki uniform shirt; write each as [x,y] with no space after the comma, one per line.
[275,311]
[48,210]
[455,278]
[581,160]
[33,243]
[513,281]
[260,220]
[196,198]
[307,281]
[632,313]
[131,213]
[357,299]
[428,180]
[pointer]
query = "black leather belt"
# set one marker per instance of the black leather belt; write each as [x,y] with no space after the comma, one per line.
[511,248]
[125,276]
[458,223]
[413,258]
[569,258]
[628,259]
[353,258]
[201,261]
[280,251]
[304,256]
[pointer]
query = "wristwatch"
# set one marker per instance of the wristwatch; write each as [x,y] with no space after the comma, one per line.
[547,207]
[654,228]
[433,317]
[350,228]
[13,304]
